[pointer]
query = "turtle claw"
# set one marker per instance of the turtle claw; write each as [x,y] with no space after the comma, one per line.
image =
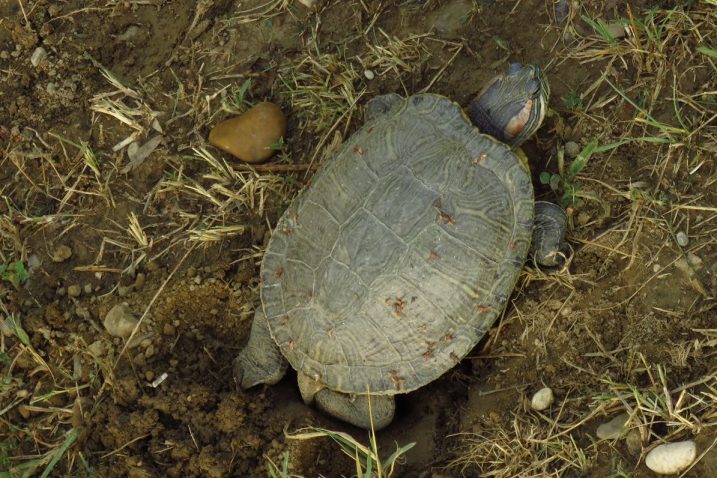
[260,361]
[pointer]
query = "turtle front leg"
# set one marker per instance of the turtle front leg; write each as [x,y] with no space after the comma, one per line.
[260,361]
[551,222]
[353,409]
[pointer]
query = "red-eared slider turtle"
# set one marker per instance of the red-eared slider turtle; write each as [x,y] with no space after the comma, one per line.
[391,266]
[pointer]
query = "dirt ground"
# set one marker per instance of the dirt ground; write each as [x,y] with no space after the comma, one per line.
[628,326]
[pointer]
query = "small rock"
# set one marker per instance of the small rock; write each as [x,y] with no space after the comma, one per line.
[33,262]
[149,375]
[682,239]
[130,32]
[96,348]
[123,290]
[168,329]
[689,265]
[542,399]
[23,411]
[139,281]
[616,30]
[583,218]
[74,290]
[369,74]
[251,136]
[613,429]
[88,289]
[120,322]
[572,149]
[6,327]
[61,253]
[671,458]
[150,351]
[633,441]
[38,56]
[139,359]
[61,291]
[145,343]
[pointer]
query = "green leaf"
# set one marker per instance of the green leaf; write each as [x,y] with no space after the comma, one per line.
[391,460]
[573,101]
[555,181]
[4,358]
[579,163]
[14,272]
[19,332]
[707,51]
[545,177]
[58,452]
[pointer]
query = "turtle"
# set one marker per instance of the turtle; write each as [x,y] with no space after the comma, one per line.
[393,263]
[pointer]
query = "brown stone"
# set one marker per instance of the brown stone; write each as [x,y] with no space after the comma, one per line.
[252,135]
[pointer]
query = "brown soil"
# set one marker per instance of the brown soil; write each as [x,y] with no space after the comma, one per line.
[626,305]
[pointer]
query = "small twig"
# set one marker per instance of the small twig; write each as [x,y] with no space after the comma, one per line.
[277,168]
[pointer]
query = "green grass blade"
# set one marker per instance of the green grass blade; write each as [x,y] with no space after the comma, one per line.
[59,452]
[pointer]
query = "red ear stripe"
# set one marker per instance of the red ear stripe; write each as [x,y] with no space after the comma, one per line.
[517,123]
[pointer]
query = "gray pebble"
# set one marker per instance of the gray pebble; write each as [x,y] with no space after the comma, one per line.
[119,321]
[633,440]
[88,289]
[616,30]
[614,428]
[74,290]
[682,239]
[572,149]
[96,348]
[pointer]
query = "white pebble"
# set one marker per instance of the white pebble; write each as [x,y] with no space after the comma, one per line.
[614,428]
[542,399]
[160,379]
[38,56]
[369,74]
[682,239]
[671,458]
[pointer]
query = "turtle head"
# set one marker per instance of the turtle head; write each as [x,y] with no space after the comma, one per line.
[512,105]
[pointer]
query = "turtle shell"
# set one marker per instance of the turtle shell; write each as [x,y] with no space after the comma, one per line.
[392,265]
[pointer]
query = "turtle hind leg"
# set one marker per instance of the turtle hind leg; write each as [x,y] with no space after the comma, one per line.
[548,234]
[261,360]
[353,409]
